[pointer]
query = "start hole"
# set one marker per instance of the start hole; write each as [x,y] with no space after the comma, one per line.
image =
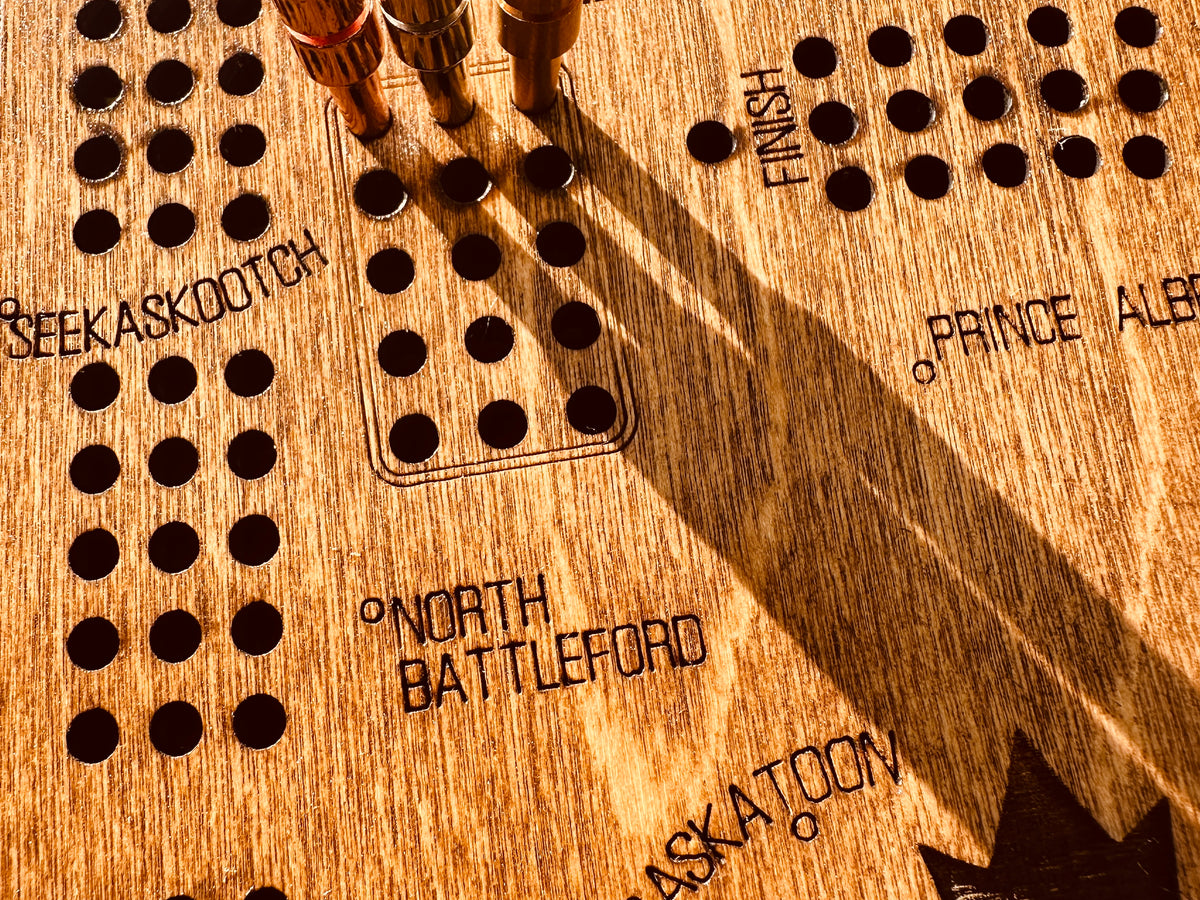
[1005,165]
[249,373]
[241,74]
[380,193]
[171,380]
[257,628]
[549,168]
[238,13]
[243,145]
[502,424]
[173,547]
[489,339]
[94,469]
[173,462]
[171,225]
[561,244]
[475,257]
[465,180]
[390,271]
[170,151]
[414,438]
[910,111]
[402,353]
[175,636]
[591,410]
[575,325]
[96,232]
[170,82]
[98,158]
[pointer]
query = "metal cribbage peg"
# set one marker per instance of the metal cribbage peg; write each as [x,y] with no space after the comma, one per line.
[434,37]
[536,34]
[340,44]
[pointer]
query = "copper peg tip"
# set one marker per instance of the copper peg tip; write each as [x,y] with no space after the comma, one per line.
[536,34]
[434,37]
[340,45]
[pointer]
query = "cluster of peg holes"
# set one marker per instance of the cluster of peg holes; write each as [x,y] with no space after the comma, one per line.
[502,424]
[176,727]
[174,546]
[170,150]
[986,98]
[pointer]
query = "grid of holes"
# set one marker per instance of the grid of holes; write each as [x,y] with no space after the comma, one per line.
[502,423]
[169,151]
[986,98]
[176,727]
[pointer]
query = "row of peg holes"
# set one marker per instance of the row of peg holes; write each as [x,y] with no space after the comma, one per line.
[174,546]
[176,728]
[170,150]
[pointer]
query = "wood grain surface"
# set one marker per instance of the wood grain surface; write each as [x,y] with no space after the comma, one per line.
[869,612]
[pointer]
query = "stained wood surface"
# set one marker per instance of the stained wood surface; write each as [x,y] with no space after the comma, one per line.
[1007,549]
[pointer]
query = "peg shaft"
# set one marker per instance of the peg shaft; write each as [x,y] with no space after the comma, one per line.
[434,37]
[536,34]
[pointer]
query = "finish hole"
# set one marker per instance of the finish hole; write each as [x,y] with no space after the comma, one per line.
[175,728]
[98,88]
[95,386]
[561,244]
[172,380]
[966,35]
[100,20]
[1077,156]
[171,225]
[1064,91]
[465,180]
[1049,26]
[170,151]
[257,628]
[475,257]
[575,325]
[92,736]
[549,168]
[241,74]
[832,123]
[259,722]
[1005,165]
[986,98]
[254,540]
[96,232]
[95,469]
[169,16]
[414,438]
[238,13]
[251,454]
[249,373]
[928,177]
[890,46]
[850,189]
[402,353]
[910,111]
[173,547]
[93,643]
[266,893]
[489,339]
[1137,26]
[93,554]
[815,57]
[1142,91]
[711,142]
[98,158]
[380,193]
[242,145]
[175,635]
[246,217]
[502,424]
[390,271]
[1146,157]
[170,82]
[173,462]
[591,410]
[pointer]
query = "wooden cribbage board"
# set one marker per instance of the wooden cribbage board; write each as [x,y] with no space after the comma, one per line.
[865,560]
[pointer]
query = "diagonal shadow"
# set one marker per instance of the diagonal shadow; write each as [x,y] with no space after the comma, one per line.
[904,576]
